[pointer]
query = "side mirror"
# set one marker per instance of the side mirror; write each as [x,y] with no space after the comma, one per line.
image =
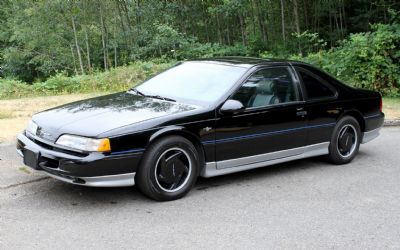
[232,106]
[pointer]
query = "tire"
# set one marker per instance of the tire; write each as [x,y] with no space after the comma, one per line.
[345,141]
[169,169]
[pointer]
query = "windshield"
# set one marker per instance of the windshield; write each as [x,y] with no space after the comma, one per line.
[193,81]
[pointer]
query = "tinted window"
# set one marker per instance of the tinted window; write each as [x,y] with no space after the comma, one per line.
[267,87]
[193,81]
[315,89]
[325,76]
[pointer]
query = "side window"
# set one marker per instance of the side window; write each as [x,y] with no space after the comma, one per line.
[315,89]
[267,87]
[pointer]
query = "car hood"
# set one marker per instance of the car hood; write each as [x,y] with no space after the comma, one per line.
[98,115]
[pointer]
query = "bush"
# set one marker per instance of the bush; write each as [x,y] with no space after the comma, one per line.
[370,60]
[118,79]
[205,50]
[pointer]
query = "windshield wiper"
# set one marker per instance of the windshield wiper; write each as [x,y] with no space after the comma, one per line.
[137,91]
[161,97]
[152,96]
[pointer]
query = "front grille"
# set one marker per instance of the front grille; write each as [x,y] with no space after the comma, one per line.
[49,163]
[43,145]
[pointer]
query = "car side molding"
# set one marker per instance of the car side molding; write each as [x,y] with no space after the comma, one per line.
[245,163]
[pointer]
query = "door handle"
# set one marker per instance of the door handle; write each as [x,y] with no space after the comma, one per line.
[301,113]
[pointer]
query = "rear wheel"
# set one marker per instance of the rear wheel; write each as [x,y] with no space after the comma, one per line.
[345,141]
[169,169]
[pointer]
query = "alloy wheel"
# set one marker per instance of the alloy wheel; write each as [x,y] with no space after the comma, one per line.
[173,169]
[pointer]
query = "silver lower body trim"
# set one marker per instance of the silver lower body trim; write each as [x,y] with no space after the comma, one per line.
[121,180]
[19,152]
[259,158]
[241,164]
[370,135]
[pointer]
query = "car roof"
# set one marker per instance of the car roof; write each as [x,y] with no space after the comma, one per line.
[246,62]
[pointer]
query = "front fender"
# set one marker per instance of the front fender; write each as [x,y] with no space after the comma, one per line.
[177,130]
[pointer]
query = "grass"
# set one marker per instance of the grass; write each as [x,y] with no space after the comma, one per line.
[391,107]
[114,80]
[5,115]
[15,113]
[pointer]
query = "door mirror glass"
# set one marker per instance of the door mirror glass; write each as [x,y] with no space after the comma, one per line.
[232,106]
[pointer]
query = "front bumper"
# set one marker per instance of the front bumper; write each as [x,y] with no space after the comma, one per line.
[94,169]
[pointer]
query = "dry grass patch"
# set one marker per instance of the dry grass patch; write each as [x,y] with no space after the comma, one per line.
[5,115]
[15,113]
[391,108]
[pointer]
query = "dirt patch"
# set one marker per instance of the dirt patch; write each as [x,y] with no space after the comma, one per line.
[5,115]
[392,109]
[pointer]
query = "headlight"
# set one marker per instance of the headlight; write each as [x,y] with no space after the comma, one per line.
[84,144]
[32,127]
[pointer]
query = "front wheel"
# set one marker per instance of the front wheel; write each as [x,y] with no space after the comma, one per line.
[169,169]
[345,141]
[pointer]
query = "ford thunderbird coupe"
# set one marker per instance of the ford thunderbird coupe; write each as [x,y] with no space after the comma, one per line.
[205,118]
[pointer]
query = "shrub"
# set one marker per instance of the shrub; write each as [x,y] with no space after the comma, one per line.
[370,60]
[118,79]
[206,50]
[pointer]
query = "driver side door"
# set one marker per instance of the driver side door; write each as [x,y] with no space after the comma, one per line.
[272,124]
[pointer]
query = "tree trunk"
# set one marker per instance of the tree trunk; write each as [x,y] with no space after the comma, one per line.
[115,57]
[115,48]
[88,50]
[330,28]
[73,58]
[344,18]
[261,22]
[103,39]
[283,21]
[228,35]
[296,16]
[242,29]
[219,29]
[204,17]
[127,43]
[306,19]
[78,50]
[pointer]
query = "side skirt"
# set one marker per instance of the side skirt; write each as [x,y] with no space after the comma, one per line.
[214,168]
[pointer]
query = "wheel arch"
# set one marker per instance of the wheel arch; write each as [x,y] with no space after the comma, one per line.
[181,131]
[357,115]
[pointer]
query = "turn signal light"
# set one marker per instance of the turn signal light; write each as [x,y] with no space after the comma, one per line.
[104,146]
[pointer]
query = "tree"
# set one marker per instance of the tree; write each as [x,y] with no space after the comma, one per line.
[41,38]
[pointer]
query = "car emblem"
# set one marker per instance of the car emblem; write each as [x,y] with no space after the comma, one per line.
[207,129]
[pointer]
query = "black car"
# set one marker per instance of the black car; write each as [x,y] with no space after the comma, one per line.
[202,118]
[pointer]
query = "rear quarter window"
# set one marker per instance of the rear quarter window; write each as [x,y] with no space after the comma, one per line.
[314,86]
